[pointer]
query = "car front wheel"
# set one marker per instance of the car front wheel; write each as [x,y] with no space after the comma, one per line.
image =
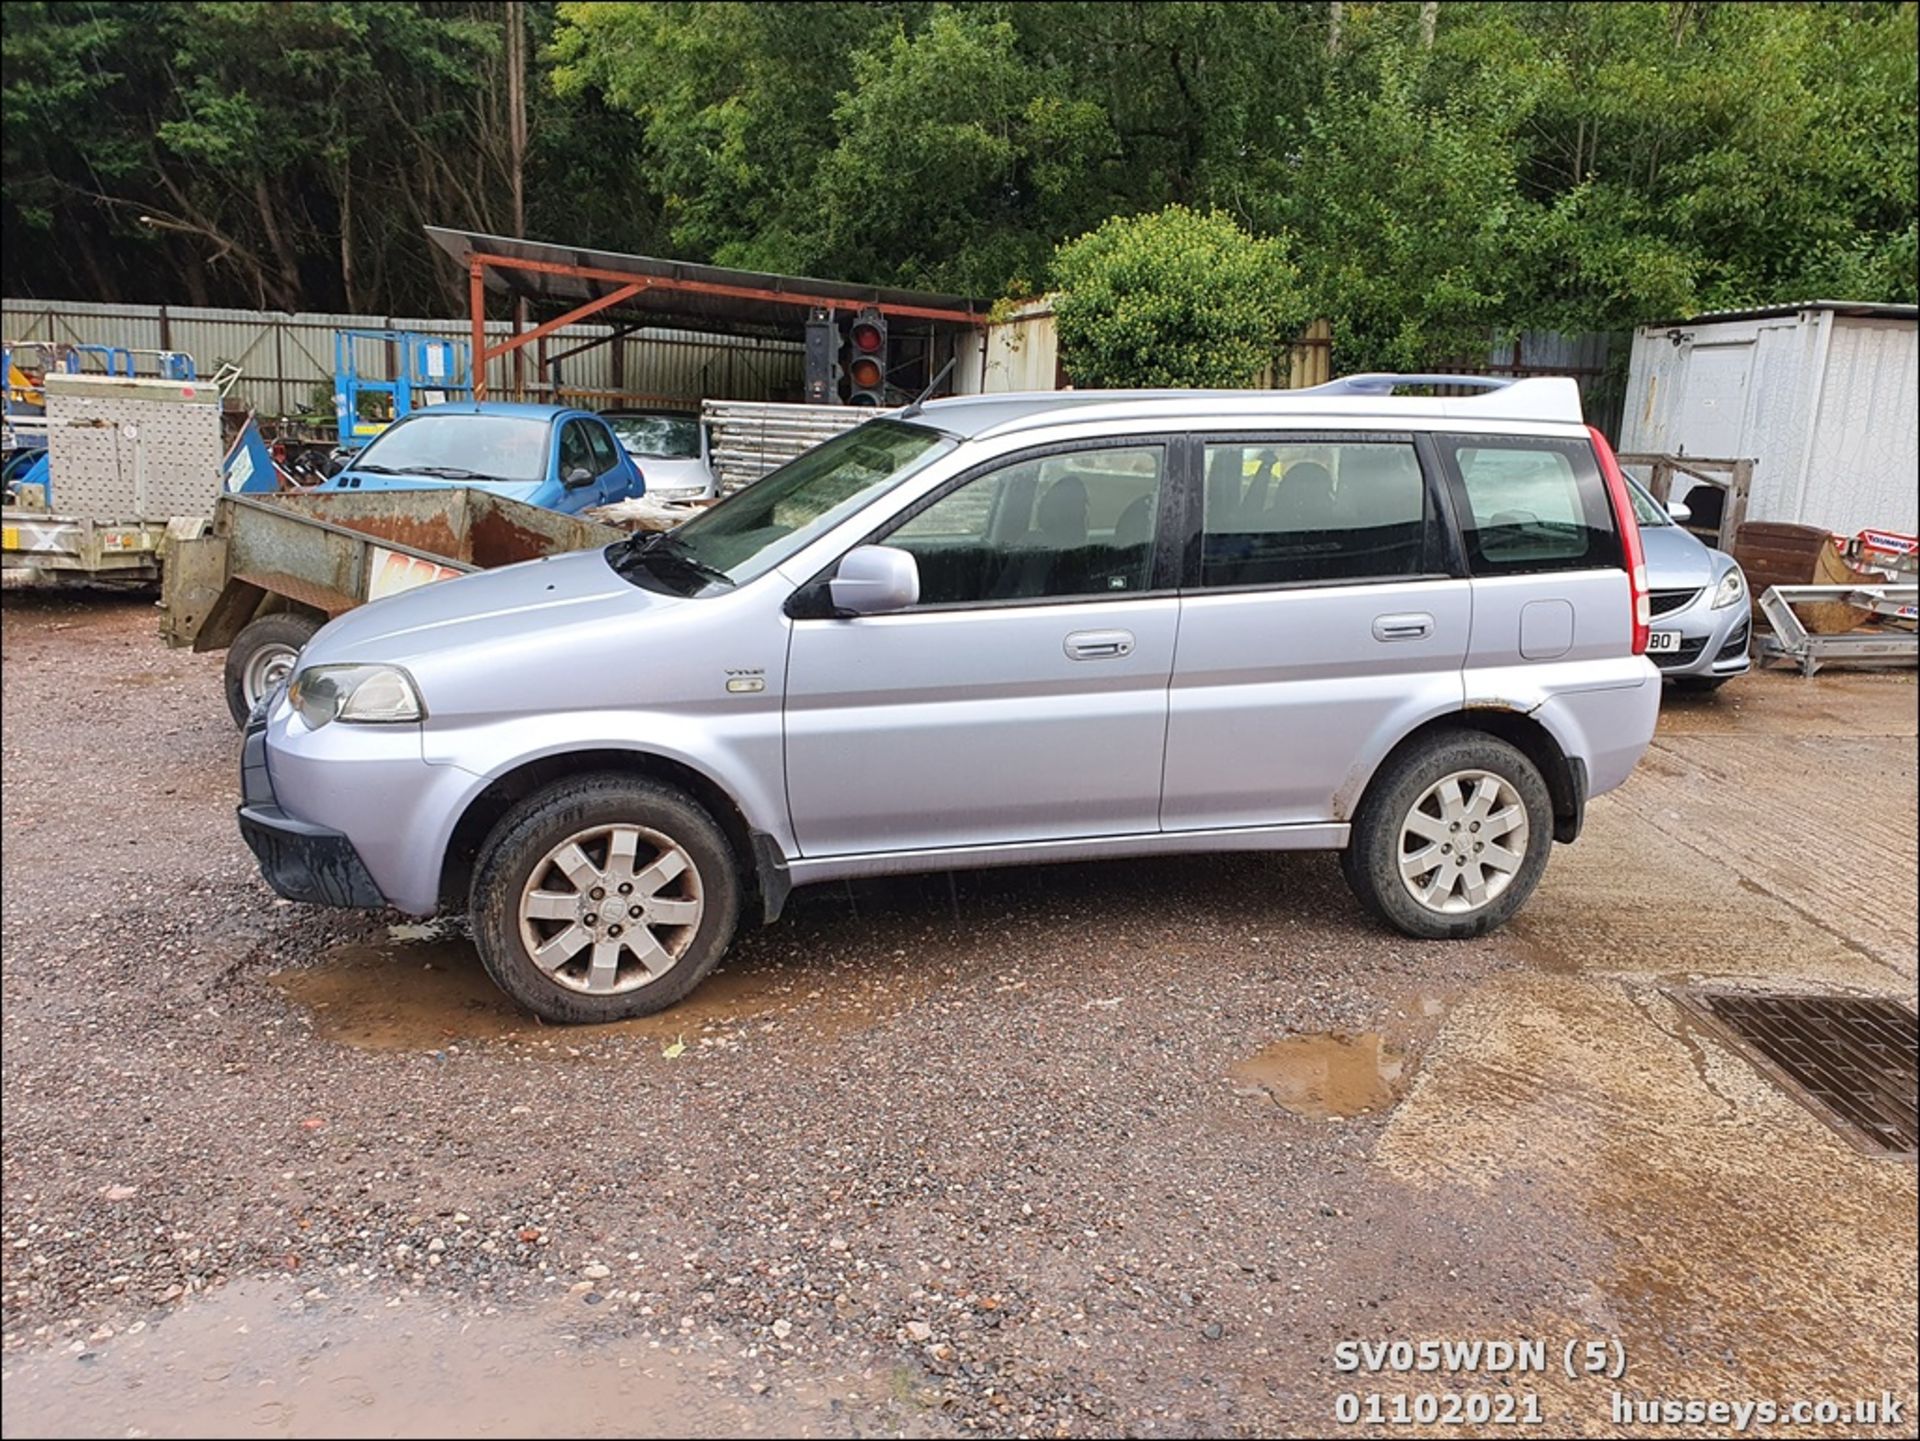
[603,897]
[1452,837]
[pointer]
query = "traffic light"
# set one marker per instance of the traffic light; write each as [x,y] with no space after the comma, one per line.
[866,359]
[823,358]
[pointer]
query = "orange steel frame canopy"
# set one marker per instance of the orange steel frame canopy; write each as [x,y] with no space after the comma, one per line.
[669,293]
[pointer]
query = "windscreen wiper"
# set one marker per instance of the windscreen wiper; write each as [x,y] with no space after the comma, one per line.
[663,545]
[454,472]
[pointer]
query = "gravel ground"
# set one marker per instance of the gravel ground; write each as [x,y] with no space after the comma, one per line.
[931,1156]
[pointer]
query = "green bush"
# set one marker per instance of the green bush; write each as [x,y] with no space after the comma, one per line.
[1175,298]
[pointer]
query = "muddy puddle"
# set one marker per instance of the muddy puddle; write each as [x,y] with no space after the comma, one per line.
[409,994]
[243,1362]
[1326,1077]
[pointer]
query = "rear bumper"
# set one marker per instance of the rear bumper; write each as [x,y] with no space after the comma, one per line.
[300,860]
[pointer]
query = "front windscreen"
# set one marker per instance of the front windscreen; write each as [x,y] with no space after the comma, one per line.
[664,437]
[753,530]
[460,446]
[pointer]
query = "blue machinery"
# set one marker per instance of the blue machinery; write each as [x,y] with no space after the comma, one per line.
[426,371]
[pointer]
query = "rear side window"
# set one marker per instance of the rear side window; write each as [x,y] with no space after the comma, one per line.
[1279,514]
[1532,504]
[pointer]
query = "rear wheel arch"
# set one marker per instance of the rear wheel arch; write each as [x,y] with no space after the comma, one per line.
[1565,777]
[486,810]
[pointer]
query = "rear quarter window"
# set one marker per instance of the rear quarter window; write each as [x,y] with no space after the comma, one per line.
[1531,504]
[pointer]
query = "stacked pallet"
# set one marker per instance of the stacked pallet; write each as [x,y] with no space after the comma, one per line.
[752,437]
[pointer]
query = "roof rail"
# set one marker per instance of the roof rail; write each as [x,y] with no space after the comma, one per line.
[1385,383]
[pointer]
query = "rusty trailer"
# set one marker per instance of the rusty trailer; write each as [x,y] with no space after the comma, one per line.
[268,571]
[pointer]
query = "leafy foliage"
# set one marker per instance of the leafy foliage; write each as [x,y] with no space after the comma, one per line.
[1175,298]
[1557,165]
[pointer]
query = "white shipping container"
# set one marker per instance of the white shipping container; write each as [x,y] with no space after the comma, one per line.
[1823,396]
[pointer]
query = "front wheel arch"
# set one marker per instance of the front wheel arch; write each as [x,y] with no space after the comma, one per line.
[486,810]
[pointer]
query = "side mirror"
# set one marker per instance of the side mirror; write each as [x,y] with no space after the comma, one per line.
[577,477]
[1680,511]
[875,579]
[337,460]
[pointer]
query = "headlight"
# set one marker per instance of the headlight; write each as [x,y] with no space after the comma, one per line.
[1731,590]
[369,694]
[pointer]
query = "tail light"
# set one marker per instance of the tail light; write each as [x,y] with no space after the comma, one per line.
[1630,547]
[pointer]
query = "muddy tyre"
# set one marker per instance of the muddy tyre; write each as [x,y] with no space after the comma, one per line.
[1451,838]
[265,651]
[603,897]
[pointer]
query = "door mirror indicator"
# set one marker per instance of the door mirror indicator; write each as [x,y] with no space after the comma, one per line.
[875,579]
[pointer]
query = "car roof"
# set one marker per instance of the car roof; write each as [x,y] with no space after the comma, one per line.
[526,409]
[1365,397]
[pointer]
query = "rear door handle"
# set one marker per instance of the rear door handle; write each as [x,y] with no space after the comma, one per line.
[1099,644]
[1403,627]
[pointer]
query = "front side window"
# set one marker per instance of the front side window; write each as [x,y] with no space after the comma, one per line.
[1079,524]
[605,456]
[576,449]
[753,530]
[1533,504]
[1283,514]
[460,446]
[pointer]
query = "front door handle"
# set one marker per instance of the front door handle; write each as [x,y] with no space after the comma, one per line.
[1417,626]
[1099,644]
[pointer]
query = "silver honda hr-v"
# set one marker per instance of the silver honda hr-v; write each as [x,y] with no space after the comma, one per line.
[992,630]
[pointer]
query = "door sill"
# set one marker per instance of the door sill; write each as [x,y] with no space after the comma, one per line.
[1330,836]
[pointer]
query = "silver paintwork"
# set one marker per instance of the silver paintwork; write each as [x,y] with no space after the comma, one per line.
[1678,561]
[926,739]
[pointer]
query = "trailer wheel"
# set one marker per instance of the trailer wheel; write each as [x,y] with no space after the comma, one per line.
[263,655]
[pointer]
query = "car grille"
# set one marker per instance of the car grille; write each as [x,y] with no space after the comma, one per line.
[1688,653]
[1663,602]
[1736,644]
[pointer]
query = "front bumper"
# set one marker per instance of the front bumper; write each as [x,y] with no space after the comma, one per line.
[301,861]
[1713,643]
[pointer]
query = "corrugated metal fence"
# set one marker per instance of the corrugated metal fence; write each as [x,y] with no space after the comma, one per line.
[1598,361]
[286,361]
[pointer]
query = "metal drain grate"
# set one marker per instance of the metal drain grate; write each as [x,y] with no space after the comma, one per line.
[1850,1060]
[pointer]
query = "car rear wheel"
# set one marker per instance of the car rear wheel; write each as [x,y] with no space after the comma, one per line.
[603,897]
[261,656]
[1452,837]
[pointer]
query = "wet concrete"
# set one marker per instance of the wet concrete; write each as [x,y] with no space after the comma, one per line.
[1738,1247]
[246,1362]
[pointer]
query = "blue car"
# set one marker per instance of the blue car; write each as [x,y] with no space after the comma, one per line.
[545,455]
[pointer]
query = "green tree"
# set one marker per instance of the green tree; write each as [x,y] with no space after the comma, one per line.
[1175,298]
[1405,200]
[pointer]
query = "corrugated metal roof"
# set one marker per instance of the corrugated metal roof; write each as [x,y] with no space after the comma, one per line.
[1868,308]
[688,296]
